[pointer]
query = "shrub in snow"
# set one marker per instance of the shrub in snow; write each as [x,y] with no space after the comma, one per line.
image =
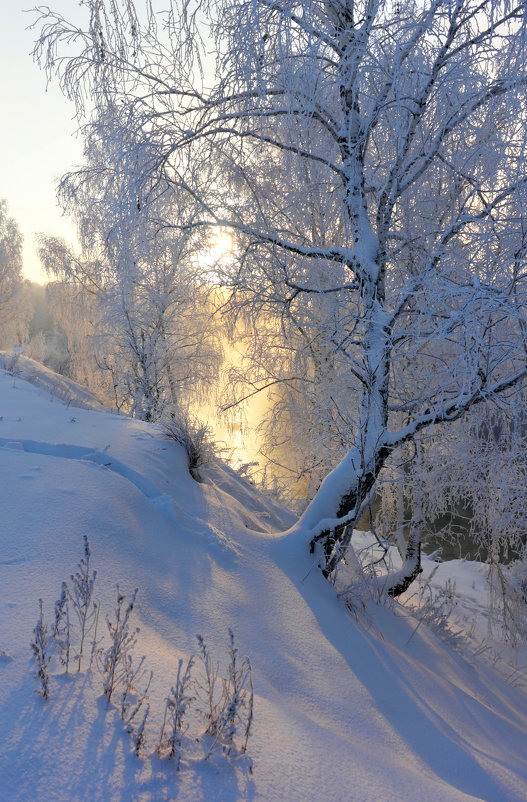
[195,437]
[174,721]
[434,607]
[41,652]
[120,672]
[78,598]
[116,661]
[508,600]
[62,628]
[117,664]
[226,706]
[236,719]
[225,703]
[211,703]
[133,696]
[138,735]
[361,575]
[85,608]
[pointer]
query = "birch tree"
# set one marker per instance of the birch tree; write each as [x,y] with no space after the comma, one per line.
[151,332]
[366,153]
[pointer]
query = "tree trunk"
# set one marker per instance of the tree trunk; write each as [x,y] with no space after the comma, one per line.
[399,582]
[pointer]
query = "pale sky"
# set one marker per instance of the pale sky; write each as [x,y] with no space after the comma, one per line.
[37,132]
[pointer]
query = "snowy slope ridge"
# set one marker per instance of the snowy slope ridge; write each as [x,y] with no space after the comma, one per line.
[70,392]
[342,711]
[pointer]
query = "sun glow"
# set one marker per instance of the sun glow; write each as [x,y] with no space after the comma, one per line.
[221,245]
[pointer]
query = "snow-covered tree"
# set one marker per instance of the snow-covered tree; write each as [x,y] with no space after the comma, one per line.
[151,329]
[15,306]
[364,153]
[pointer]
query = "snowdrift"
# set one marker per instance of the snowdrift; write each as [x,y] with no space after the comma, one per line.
[343,711]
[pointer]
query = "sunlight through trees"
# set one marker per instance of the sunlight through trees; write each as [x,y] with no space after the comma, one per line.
[365,165]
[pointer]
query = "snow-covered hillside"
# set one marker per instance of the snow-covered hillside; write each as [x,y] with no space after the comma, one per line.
[343,711]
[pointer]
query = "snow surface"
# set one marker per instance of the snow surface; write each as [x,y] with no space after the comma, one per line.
[345,710]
